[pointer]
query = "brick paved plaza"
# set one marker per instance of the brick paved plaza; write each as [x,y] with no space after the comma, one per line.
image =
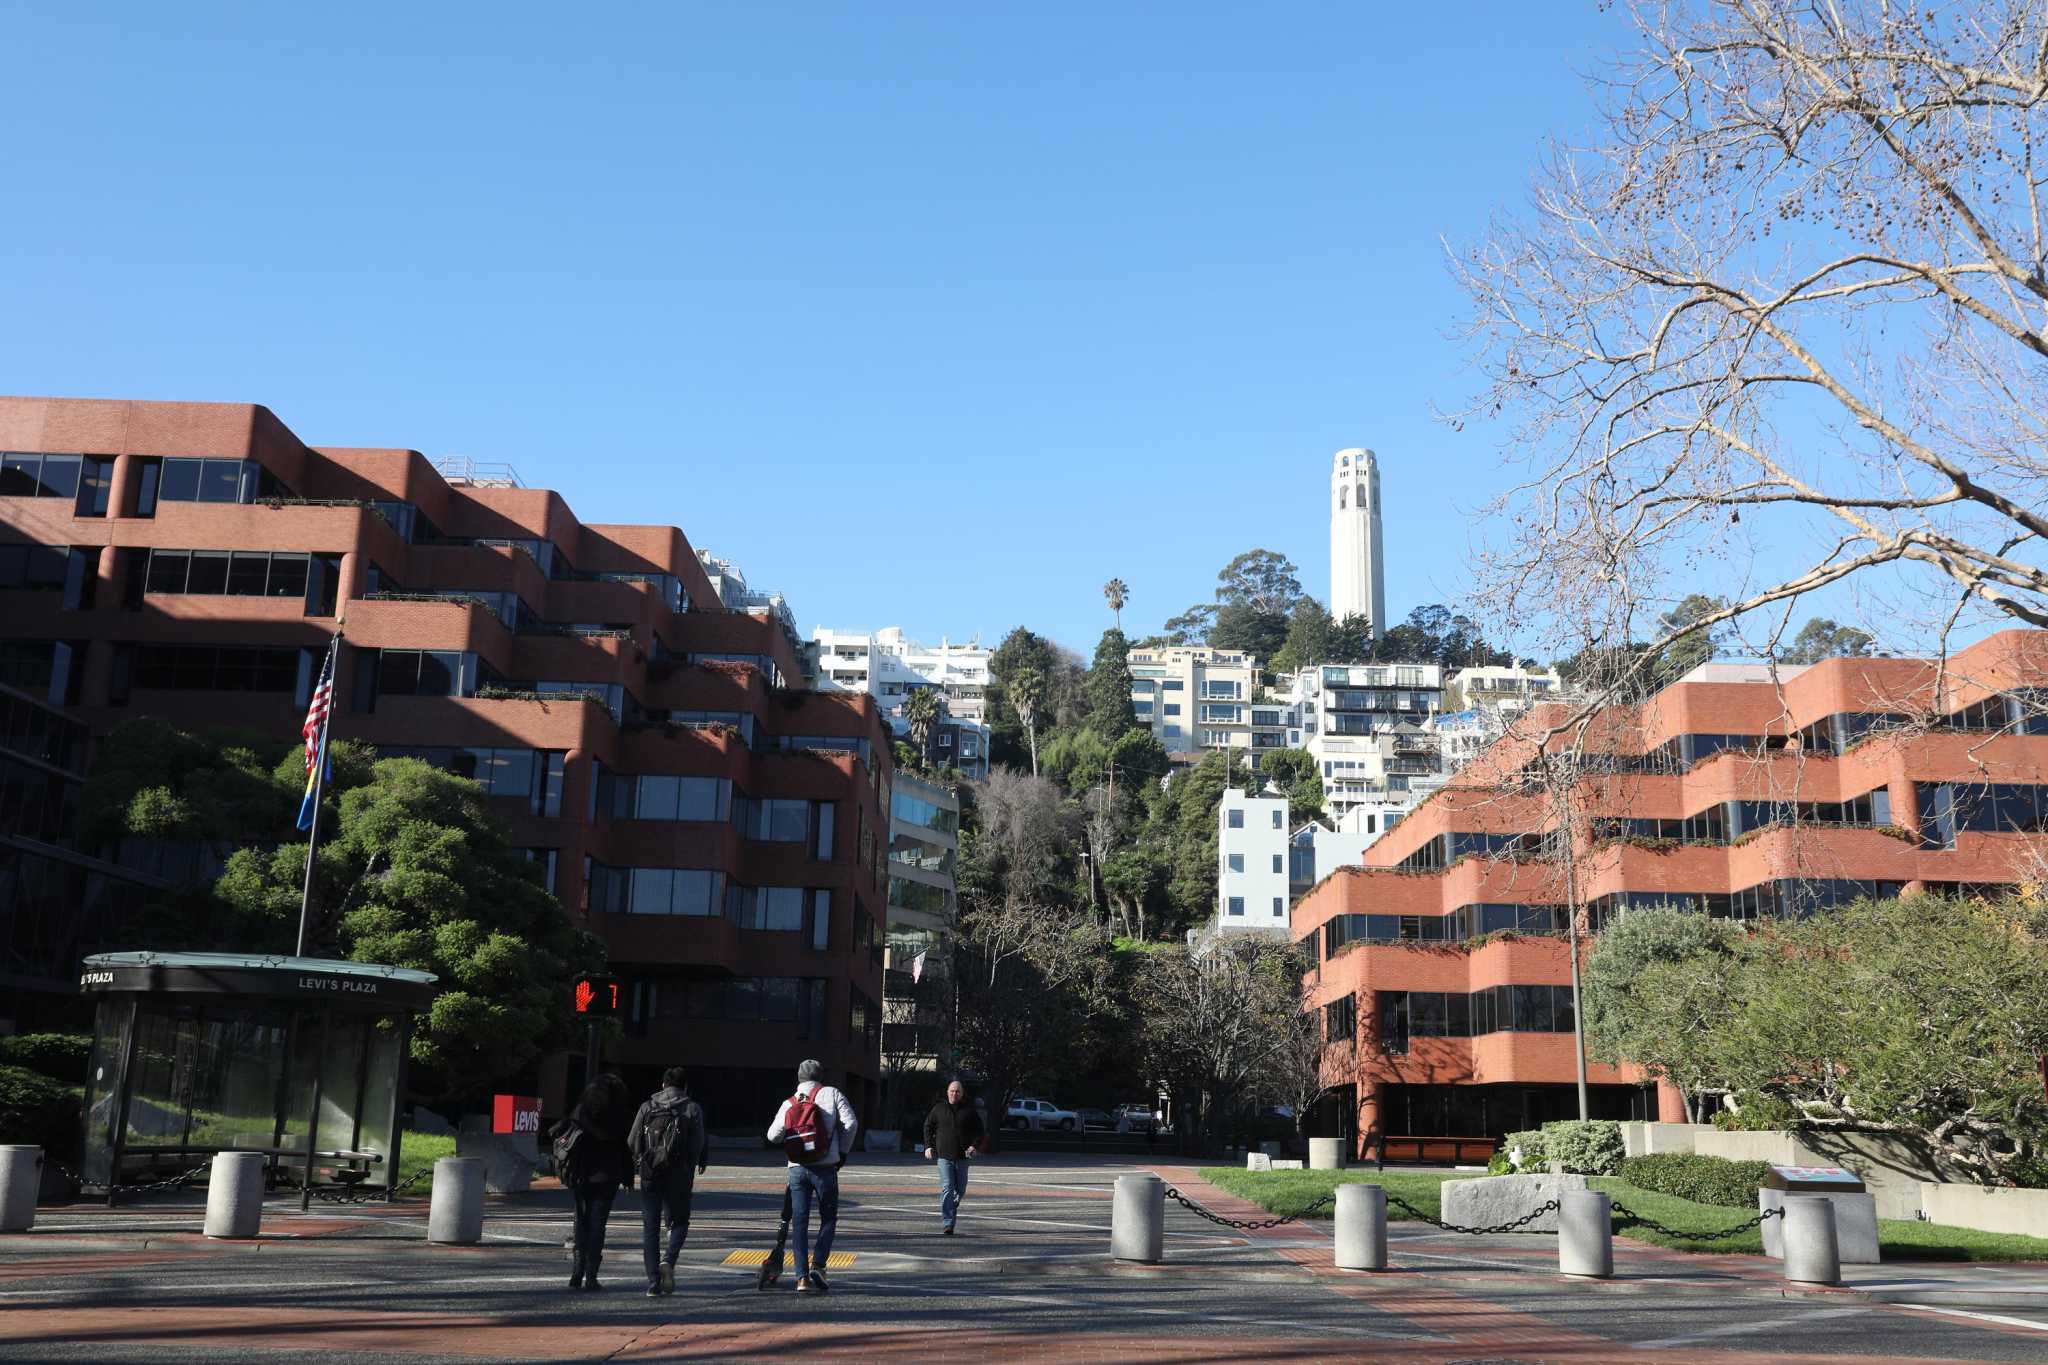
[1028,1278]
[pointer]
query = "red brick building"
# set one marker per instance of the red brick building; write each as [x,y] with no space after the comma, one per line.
[723,829]
[1441,967]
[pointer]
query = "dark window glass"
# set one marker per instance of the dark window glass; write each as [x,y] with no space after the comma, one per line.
[437,673]
[399,675]
[180,481]
[81,578]
[657,798]
[59,477]
[18,475]
[209,572]
[168,570]
[551,789]
[95,485]
[287,576]
[324,589]
[248,573]
[147,486]
[220,481]
[1532,1009]
[13,566]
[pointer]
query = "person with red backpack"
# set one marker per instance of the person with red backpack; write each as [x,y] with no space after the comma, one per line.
[668,1141]
[816,1128]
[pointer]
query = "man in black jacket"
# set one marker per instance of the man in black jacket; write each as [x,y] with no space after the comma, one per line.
[668,1141]
[952,1134]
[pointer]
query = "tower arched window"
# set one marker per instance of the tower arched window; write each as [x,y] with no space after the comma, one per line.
[1342,493]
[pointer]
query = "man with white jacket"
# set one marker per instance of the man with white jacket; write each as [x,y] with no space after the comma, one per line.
[816,1179]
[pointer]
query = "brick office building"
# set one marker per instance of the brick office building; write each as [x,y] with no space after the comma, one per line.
[722,829]
[1726,794]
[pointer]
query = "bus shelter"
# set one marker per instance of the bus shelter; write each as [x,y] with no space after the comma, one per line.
[301,1059]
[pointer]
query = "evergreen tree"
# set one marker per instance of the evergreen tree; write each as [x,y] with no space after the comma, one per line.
[1109,687]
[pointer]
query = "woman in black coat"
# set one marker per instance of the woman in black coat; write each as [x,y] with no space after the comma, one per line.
[598,1164]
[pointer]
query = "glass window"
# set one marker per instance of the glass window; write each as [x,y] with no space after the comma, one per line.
[248,573]
[1236,819]
[220,481]
[437,674]
[59,477]
[18,475]
[209,572]
[1237,905]
[180,481]
[651,890]
[287,576]
[823,849]
[656,799]
[1237,862]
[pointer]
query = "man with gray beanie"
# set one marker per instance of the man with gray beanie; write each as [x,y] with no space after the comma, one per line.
[816,1128]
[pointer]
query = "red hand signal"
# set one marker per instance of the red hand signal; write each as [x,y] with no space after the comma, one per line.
[584,995]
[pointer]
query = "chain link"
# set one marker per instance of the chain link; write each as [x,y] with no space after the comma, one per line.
[1547,1206]
[1244,1225]
[184,1178]
[1622,1211]
[353,1195]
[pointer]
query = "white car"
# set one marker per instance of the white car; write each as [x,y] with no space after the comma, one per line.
[1027,1113]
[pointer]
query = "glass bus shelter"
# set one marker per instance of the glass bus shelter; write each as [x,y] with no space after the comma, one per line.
[301,1059]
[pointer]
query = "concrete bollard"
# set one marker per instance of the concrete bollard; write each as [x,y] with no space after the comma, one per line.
[21,1177]
[1361,1227]
[234,1195]
[456,1214]
[1812,1255]
[1585,1234]
[1137,1220]
[1326,1154]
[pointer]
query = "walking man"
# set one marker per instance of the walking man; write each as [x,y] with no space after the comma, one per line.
[668,1142]
[952,1135]
[816,1128]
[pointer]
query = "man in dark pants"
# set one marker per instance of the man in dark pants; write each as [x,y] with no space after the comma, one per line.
[668,1141]
[952,1134]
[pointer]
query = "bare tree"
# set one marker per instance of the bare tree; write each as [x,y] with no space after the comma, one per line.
[1795,291]
[1214,1018]
[1295,1075]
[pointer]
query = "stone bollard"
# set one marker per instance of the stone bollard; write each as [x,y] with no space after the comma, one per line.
[1361,1227]
[1585,1234]
[456,1214]
[1811,1253]
[234,1195]
[1326,1154]
[1137,1220]
[21,1177]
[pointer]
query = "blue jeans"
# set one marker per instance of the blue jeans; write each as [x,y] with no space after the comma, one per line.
[952,1185]
[808,1184]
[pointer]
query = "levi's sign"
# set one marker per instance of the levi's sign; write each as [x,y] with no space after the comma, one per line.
[336,983]
[515,1114]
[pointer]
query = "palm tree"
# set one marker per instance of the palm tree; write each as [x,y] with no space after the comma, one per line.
[922,710]
[1027,694]
[1118,592]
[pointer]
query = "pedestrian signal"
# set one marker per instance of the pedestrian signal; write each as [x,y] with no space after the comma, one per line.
[597,995]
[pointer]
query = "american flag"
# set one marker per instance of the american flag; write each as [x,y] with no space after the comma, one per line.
[316,714]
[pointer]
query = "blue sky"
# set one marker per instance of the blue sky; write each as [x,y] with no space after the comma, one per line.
[928,314]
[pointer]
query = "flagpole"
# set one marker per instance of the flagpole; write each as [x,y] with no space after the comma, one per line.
[319,791]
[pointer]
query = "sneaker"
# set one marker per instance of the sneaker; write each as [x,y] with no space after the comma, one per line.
[804,1285]
[590,1284]
[946,1231]
[576,1280]
[818,1285]
[668,1279]
[654,1289]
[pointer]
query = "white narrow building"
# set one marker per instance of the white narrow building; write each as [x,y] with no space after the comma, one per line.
[1251,866]
[1358,575]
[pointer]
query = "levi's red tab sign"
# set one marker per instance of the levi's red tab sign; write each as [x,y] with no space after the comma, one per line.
[515,1113]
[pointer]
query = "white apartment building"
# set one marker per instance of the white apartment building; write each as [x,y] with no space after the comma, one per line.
[1316,850]
[1196,699]
[1503,688]
[1367,725]
[889,666]
[1252,858]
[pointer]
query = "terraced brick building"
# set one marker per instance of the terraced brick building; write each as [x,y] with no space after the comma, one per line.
[723,828]
[1441,967]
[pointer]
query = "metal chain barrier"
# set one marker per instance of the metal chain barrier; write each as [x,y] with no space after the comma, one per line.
[176,1182]
[1547,1206]
[326,1195]
[1622,1211]
[1242,1224]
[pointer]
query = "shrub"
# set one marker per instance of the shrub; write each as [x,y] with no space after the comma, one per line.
[37,1110]
[1586,1147]
[60,1056]
[1760,1114]
[1531,1144]
[1498,1164]
[1702,1179]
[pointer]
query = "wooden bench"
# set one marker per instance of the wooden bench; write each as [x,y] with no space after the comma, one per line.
[1438,1151]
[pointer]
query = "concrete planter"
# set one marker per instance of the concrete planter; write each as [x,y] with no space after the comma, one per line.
[1326,1154]
[2024,1212]
[1893,1166]
[1654,1139]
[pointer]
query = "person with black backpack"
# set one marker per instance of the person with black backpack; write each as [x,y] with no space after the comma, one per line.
[669,1144]
[591,1159]
[816,1128]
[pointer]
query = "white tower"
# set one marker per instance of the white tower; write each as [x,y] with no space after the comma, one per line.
[1357,573]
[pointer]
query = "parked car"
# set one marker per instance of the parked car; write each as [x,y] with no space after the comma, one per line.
[1098,1121]
[1137,1118]
[1030,1113]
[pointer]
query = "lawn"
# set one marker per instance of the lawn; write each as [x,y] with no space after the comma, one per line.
[1288,1192]
[419,1152]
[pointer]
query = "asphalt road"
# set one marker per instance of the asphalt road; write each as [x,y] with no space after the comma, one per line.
[1027,1278]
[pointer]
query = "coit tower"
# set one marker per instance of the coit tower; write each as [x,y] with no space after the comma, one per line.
[1357,574]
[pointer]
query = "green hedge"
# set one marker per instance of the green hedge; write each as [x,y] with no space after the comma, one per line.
[1585,1147]
[60,1056]
[1702,1179]
[37,1110]
[1531,1143]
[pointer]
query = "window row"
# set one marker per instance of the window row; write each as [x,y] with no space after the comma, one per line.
[915,810]
[203,480]
[532,774]
[1785,898]
[1446,849]
[798,1000]
[1950,808]
[87,480]
[313,579]
[1729,820]
[1452,1014]
[72,570]
[705,894]
[213,668]
[1467,921]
